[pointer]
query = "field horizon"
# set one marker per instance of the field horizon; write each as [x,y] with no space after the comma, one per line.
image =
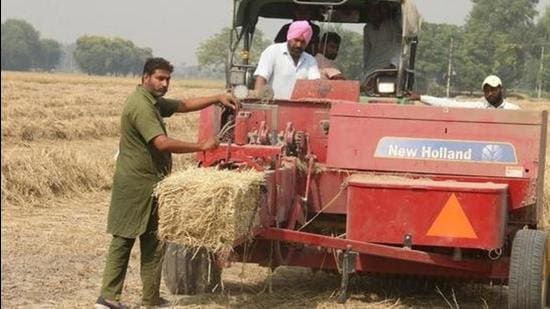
[59,137]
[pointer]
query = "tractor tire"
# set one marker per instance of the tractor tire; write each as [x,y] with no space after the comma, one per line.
[186,275]
[528,277]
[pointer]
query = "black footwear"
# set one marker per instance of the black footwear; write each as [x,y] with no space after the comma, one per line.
[101,303]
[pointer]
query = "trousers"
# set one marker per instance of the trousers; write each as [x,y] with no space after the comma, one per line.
[118,257]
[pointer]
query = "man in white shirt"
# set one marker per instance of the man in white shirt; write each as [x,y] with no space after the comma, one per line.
[328,51]
[492,89]
[281,64]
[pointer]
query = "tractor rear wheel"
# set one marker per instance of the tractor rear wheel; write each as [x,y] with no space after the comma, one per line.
[528,278]
[186,273]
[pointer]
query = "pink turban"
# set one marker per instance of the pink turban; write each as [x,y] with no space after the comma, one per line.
[298,30]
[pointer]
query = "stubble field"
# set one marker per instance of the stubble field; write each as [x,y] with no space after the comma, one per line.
[59,136]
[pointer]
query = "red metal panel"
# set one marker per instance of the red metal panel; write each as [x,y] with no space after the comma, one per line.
[347,90]
[356,131]
[432,213]
[521,192]
[279,197]
[409,112]
[324,188]
[209,123]
[262,115]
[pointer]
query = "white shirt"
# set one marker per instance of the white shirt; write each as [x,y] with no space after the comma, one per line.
[277,67]
[464,104]
[327,67]
[382,46]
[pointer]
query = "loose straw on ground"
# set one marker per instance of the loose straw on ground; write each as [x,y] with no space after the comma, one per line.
[208,208]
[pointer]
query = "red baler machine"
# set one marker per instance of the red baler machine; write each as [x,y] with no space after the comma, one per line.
[383,187]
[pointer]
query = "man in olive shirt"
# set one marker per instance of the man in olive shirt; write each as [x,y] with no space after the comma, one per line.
[144,159]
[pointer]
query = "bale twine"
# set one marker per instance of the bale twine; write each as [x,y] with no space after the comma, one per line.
[208,208]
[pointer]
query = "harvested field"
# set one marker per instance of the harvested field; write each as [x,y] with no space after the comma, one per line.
[59,136]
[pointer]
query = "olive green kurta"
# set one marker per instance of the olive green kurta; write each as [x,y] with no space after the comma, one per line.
[139,166]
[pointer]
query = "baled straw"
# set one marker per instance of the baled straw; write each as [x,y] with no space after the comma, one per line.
[208,208]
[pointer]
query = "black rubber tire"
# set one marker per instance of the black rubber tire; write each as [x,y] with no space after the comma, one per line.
[186,275]
[528,278]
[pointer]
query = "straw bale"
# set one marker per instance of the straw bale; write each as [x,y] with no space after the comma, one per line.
[208,208]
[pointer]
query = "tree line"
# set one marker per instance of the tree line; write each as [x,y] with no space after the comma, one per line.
[502,37]
[110,56]
[23,49]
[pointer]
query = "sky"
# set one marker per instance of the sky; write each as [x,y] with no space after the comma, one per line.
[172,28]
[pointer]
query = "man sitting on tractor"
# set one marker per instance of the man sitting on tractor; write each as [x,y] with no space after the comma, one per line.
[281,64]
[382,38]
[328,51]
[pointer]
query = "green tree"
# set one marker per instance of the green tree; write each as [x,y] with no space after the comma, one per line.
[532,71]
[213,52]
[91,54]
[20,45]
[543,26]
[432,58]
[50,54]
[139,56]
[101,56]
[497,37]
[122,56]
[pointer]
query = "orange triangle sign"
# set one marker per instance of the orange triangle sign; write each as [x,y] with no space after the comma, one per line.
[452,221]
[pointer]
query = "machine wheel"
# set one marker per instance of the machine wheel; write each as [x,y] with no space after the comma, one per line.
[528,278]
[186,275]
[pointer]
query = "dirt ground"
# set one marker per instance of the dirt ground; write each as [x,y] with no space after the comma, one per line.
[52,257]
[58,132]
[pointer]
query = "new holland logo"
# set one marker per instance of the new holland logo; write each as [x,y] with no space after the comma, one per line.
[445,150]
[493,153]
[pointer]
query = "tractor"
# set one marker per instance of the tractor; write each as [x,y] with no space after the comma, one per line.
[363,183]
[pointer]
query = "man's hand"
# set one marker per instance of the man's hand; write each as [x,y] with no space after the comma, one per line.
[211,143]
[228,100]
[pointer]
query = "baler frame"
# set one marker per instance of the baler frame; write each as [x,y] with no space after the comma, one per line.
[428,155]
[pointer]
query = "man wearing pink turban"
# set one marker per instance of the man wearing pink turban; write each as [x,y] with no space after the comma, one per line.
[281,64]
[302,12]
